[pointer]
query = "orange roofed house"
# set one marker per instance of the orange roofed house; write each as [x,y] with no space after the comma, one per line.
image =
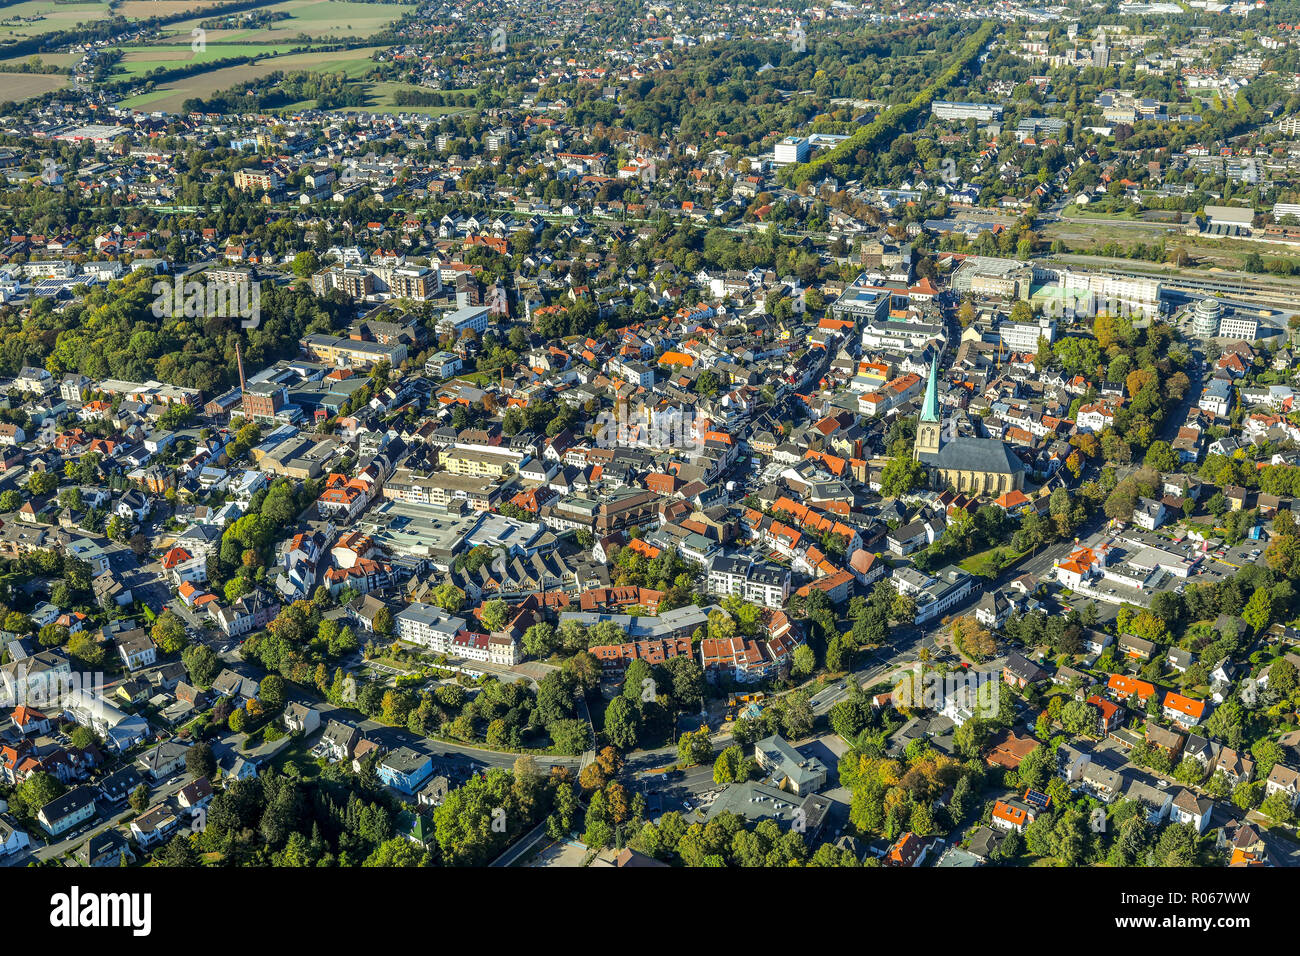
[345,498]
[616,657]
[1184,711]
[180,566]
[910,850]
[1008,750]
[1013,814]
[1081,565]
[745,659]
[1110,714]
[1122,687]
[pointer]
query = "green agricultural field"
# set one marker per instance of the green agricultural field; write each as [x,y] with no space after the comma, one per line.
[36,17]
[22,20]
[170,96]
[380,99]
[319,19]
[64,60]
[322,20]
[137,60]
[143,9]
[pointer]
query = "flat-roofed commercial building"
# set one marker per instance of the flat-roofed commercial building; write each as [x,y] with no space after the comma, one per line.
[949,110]
[441,488]
[343,352]
[482,464]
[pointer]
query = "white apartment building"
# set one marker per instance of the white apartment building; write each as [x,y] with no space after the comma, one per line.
[469,319]
[791,149]
[739,576]
[428,626]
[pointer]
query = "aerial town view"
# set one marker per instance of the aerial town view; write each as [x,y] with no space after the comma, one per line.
[541,434]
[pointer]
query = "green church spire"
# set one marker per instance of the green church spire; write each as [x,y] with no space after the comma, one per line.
[930,407]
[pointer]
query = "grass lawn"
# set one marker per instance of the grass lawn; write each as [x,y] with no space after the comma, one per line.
[991,563]
[380,98]
[389,661]
[298,754]
[1090,212]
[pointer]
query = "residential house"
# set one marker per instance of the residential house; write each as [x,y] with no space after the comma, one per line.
[1103,783]
[1167,740]
[301,719]
[195,795]
[1020,672]
[65,812]
[1154,801]
[910,850]
[1013,814]
[1187,807]
[13,839]
[1138,648]
[163,760]
[338,741]
[1283,779]
[1110,717]
[106,848]
[1183,711]
[137,649]
[1235,767]
[155,825]
[236,686]
[405,769]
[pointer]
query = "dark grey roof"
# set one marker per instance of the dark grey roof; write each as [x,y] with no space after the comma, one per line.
[100,844]
[343,734]
[729,564]
[984,840]
[405,760]
[975,454]
[757,802]
[1023,668]
[68,803]
[120,783]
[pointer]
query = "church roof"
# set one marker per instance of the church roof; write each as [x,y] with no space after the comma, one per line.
[974,454]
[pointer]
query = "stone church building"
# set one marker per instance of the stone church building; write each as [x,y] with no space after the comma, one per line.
[973,466]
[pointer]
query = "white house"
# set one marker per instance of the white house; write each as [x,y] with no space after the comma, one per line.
[1187,807]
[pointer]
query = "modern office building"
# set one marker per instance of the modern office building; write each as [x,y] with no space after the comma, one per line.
[948,110]
[791,149]
[1206,315]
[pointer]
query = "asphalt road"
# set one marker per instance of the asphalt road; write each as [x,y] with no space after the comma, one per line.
[473,758]
[68,842]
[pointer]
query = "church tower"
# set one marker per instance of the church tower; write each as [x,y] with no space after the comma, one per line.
[930,425]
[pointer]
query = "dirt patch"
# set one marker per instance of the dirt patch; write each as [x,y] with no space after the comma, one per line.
[20,86]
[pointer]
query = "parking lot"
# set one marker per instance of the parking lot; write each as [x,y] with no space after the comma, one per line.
[565,853]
